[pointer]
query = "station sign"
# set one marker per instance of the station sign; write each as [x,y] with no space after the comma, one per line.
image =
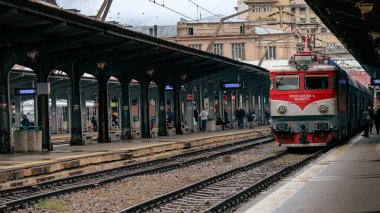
[375,81]
[26,91]
[231,85]
[167,87]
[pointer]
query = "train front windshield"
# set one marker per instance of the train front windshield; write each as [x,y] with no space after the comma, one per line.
[316,82]
[287,82]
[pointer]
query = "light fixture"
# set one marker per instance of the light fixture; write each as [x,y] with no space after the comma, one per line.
[365,9]
[377,51]
[101,65]
[375,37]
[32,55]
[150,72]
[209,81]
[183,76]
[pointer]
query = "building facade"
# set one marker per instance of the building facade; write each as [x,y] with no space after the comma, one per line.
[237,39]
[294,15]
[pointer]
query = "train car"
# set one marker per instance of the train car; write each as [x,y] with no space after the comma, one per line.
[314,102]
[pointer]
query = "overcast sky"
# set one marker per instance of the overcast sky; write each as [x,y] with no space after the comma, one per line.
[145,12]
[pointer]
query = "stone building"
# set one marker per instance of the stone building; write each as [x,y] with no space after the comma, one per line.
[296,14]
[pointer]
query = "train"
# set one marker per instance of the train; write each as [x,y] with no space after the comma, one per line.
[313,102]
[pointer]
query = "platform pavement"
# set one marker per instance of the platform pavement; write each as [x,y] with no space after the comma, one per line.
[22,165]
[346,179]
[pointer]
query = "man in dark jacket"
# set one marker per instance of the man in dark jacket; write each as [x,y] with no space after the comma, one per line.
[240,114]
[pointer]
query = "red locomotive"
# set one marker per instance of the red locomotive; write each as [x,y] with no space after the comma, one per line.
[314,101]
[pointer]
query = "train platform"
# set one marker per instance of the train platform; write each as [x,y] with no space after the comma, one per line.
[26,168]
[346,179]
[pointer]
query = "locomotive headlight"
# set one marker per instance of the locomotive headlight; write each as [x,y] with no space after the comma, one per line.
[323,108]
[282,109]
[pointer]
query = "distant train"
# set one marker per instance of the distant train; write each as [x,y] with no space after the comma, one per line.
[314,101]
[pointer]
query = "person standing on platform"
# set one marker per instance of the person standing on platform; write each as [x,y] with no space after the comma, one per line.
[25,121]
[371,113]
[366,120]
[94,123]
[196,115]
[204,118]
[377,120]
[240,115]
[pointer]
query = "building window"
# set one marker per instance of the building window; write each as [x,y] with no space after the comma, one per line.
[190,31]
[313,20]
[238,51]
[196,46]
[302,10]
[217,49]
[293,10]
[242,29]
[256,8]
[267,8]
[271,53]
[330,45]
[294,20]
[303,20]
[323,30]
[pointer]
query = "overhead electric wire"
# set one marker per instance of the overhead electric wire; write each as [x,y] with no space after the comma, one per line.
[204,9]
[179,13]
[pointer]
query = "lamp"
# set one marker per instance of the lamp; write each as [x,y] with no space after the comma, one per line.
[183,76]
[150,72]
[375,37]
[101,65]
[365,9]
[32,55]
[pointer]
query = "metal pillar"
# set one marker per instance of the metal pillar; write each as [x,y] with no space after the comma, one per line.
[53,113]
[103,136]
[229,108]
[211,105]
[83,112]
[43,106]
[162,125]
[177,107]
[125,117]
[69,110]
[76,108]
[5,121]
[17,111]
[145,120]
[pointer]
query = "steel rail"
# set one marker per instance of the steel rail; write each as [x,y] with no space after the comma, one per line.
[92,180]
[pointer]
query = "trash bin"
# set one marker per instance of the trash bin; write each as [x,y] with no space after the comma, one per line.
[20,140]
[34,138]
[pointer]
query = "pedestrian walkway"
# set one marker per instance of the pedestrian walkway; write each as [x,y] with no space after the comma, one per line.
[21,165]
[346,179]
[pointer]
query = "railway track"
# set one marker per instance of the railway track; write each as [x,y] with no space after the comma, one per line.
[21,197]
[226,190]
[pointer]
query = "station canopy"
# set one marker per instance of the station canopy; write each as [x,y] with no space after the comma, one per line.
[63,38]
[357,25]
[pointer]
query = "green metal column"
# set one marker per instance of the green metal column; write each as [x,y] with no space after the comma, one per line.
[126,109]
[145,120]
[76,109]
[103,136]
[5,122]
[177,107]
[42,72]
[162,126]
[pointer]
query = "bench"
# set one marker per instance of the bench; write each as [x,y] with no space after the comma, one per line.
[87,138]
[186,130]
[154,133]
[218,127]
[136,133]
[115,135]
[171,132]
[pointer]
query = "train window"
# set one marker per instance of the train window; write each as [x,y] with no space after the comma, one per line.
[287,82]
[271,83]
[316,82]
